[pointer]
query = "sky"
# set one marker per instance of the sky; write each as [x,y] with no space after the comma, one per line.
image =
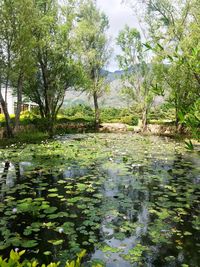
[119,15]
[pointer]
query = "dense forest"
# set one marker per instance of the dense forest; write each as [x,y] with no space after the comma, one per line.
[70,188]
[48,47]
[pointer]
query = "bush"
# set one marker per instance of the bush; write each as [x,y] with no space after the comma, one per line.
[63,120]
[15,261]
[78,111]
[130,120]
[108,114]
[2,119]
[77,114]
[26,118]
[162,112]
[30,136]
[118,115]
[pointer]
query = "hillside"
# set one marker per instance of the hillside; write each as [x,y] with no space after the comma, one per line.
[111,99]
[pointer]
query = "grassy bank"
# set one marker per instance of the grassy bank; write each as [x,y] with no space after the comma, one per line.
[80,118]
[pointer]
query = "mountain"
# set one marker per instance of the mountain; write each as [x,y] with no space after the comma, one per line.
[111,99]
[111,76]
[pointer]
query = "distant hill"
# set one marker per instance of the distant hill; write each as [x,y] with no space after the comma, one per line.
[111,99]
[111,76]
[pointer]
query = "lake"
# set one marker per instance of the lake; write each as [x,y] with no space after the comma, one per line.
[129,200]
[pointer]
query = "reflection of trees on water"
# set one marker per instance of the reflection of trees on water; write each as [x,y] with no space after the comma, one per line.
[8,176]
[30,182]
[11,174]
[129,196]
[125,207]
[150,187]
[175,194]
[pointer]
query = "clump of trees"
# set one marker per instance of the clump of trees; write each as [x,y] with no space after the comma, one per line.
[49,46]
[94,52]
[173,42]
[44,51]
[138,73]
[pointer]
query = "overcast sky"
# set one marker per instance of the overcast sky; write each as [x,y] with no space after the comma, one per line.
[119,15]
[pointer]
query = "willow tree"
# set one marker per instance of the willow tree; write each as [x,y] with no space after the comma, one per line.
[22,60]
[57,65]
[173,38]
[16,43]
[5,44]
[93,49]
[137,77]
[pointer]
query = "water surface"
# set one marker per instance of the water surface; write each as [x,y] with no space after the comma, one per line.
[128,200]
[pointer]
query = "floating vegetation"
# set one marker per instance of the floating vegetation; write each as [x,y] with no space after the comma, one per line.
[128,199]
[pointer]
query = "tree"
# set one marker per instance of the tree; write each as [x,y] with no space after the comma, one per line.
[6,36]
[16,40]
[23,64]
[182,75]
[94,52]
[173,39]
[57,68]
[137,72]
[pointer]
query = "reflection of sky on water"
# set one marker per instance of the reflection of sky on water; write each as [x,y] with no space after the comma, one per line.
[132,176]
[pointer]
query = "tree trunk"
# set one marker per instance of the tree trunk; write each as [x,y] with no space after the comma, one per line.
[43,66]
[176,115]
[6,92]
[9,132]
[176,119]
[19,102]
[97,112]
[144,119]
[50,126]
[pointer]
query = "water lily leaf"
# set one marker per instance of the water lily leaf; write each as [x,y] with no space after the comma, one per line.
[50,210]
[47,253]
[53,190]
[56,242]
[29,243]
[52,195]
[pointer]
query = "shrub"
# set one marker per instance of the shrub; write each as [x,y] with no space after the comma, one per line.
[118,115]
[2,119]
[108,114]
[15,261]
[130,120]
[162,112]
[26,118]
[78,111]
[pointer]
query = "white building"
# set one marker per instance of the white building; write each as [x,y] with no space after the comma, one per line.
[12,102]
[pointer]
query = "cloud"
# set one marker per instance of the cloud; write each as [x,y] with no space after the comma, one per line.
[119,15]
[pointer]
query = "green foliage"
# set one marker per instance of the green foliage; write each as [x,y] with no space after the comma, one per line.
[192,120]
[15,261]
[38,58]
[29,136]
[129,40]
[63,194]
[78,112]
[162,112]
[189,145]
[135,255]
[174,43]
[118,115]
[138,73]
[93,51]
[84,113]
